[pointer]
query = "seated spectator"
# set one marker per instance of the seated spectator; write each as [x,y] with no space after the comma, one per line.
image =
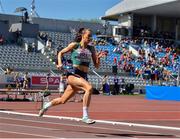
[98,32]
[1,40]
[49,43]
[115,61]
[34,47]
[8,70]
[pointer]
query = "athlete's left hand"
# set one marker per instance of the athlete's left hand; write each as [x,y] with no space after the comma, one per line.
[102,54]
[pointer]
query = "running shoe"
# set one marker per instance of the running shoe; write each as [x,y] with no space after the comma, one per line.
[87,120]
[42,111]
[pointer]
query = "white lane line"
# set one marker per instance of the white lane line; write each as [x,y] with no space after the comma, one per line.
[48,136]
[98,121]
[139,125]
[149,120]
[25,110]
[29,126]
[94,127]
[21,133]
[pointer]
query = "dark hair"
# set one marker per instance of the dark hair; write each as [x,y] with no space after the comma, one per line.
[79,35]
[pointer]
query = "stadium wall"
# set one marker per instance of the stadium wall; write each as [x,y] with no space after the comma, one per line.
[163,93]
[27,30]
[4,28]
[56,24]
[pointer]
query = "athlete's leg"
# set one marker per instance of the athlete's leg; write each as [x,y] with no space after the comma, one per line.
[75,83]
[81,83]
[69,92]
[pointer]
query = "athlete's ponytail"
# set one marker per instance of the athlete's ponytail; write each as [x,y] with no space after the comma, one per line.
[79,35]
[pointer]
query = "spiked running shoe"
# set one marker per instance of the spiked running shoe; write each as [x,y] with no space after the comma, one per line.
[42,111]
[87,120]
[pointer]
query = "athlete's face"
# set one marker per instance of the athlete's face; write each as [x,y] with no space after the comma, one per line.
[87,36]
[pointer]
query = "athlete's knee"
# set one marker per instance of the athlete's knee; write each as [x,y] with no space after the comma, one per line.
[59,101]
[63,101]
[89,89]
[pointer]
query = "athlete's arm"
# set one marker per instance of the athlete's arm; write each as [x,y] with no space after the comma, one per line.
[63,51]
[96,56]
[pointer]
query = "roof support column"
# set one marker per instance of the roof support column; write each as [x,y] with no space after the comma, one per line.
[177,30]
[130,25]
[154,23]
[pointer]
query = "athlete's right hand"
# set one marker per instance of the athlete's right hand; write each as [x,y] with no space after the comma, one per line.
[60,66]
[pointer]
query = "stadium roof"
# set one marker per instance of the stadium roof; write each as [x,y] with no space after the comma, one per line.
[150,7]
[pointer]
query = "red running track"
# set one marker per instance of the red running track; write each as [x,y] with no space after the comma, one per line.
[133,109]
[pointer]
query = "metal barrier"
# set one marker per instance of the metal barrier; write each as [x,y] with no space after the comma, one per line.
[39,94]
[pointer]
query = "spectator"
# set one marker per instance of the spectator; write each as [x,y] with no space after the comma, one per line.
[47,79]
[1,40]
[17,36]
[122,85]
[98,32]
[26,17]
[33,47]
[105,85]
[115,61]
[17,81]
[26,81]
[49,43]
[116,85]
[8,70]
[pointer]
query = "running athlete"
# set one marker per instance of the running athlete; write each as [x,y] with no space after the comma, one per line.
[81,55]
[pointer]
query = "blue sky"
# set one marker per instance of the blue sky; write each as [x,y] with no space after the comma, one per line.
[63,9]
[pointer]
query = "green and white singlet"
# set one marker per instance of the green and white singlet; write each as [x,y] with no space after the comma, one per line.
[82,56]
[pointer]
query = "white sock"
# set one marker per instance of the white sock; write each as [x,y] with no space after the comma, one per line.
[47,105]
[85,112]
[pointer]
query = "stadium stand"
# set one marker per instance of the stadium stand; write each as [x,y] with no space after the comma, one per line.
[19,59]
[130,56]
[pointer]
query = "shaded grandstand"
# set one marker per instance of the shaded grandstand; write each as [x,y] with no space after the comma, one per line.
[36,52]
